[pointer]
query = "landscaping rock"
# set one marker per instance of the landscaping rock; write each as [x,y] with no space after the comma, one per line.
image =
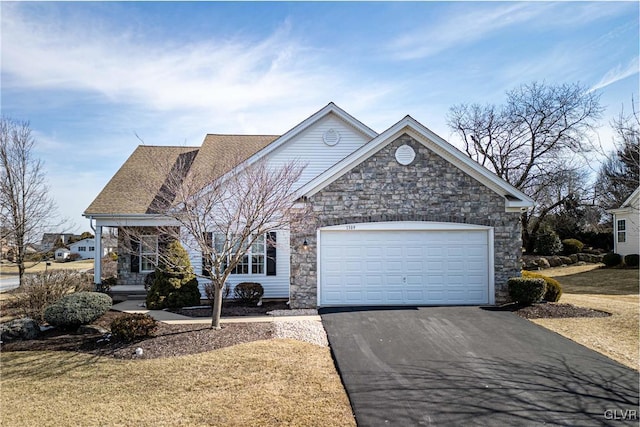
[591,258]
[543,263]
[19,329]
[92,330]
[565,260]
[554,261]
[574,258]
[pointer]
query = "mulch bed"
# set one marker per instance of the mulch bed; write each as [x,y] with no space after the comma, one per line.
[230,308]
[169,340]
[552,310]
[178,340]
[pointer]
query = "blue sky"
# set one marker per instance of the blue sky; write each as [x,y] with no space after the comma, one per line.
[91,76]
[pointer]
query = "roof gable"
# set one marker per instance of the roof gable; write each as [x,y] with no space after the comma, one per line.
[632,200]
[330,108]
[514,199]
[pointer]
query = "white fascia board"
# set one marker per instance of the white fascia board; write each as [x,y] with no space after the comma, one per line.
[432,141]
[631,198]
[329,108]
[131,220]
[619,211]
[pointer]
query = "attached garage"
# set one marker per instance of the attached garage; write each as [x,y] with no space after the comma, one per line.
[405,263]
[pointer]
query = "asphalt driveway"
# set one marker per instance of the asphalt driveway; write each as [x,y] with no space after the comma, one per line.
[471,366]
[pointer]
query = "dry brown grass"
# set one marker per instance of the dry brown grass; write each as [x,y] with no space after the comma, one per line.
[611,290]
[9,269]
[264,383]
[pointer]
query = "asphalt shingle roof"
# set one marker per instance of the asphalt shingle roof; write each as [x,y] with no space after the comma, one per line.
[135,186]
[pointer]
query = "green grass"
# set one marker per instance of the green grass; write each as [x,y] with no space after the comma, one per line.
[263,383]
[604,281]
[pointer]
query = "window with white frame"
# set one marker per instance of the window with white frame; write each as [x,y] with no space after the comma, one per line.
[622,231]
[254,262]
[92,248]
[148,253]
[82,248]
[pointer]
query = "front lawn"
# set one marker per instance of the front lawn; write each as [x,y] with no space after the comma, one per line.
[9,269]
[262,383]
[611,290]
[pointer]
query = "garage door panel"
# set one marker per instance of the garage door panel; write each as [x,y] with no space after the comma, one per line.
[404,267]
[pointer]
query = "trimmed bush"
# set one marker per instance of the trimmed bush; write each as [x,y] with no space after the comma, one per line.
[77,309]
[106,284]
[133,327]
[526,290]
[548,243]
[554,288]
[43,289]
[572,246]
[632,260]
[173,285]
[248,292]
[611,259]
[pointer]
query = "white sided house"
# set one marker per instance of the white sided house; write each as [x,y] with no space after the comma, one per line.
[86,248]
[398,218]
[626,230]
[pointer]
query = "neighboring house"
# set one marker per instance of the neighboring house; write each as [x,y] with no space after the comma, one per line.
[50,239]
[86,248]
[61,254]
[400,217]
[626,240]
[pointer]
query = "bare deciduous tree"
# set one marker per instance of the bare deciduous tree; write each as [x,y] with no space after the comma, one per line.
[221,212]
[531,141]
[619,175]
[26,209]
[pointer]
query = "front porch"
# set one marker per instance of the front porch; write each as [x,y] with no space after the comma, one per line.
[128,292]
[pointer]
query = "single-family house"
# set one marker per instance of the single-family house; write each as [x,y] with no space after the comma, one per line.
[398,217]
[86,248]
[61,254]
[626,240]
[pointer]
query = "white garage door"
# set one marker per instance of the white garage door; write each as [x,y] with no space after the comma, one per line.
[404,267]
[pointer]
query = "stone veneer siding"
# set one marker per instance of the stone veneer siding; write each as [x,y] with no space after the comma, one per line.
[125,276]
[429,189]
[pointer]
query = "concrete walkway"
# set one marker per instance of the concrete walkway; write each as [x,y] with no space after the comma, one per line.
[133,306]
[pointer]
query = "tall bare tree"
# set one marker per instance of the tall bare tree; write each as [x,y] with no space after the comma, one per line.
[531,141]
[222,212]
[26,208]
[619,175]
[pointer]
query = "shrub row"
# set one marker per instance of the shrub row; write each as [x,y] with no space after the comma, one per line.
[526,290]
[248,292]
[553,290]
[40,290]
[133,326]
[77,309]
[613,260]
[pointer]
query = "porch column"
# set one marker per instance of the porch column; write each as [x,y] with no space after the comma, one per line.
[97,258]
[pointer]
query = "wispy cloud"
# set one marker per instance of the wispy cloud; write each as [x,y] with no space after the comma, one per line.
[460,29]
[618,73]
[214,72]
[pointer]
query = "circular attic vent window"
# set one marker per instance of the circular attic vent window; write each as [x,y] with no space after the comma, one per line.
[331,137]
[405,155]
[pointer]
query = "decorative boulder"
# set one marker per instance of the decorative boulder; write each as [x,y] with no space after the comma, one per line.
[19,329]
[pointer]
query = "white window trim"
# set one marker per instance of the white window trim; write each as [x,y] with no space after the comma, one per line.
[621,233]
[249,256]
[151,254]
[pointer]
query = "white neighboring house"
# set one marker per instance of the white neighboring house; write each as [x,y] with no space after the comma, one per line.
[61,254]
[626,230]
[86,248]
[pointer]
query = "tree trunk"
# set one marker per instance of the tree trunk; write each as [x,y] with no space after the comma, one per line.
[217,307]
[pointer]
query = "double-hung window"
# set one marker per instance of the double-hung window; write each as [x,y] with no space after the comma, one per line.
[148,253]
[259,258]
[622,231]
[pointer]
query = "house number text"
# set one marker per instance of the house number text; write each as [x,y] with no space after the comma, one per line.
[350,227]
